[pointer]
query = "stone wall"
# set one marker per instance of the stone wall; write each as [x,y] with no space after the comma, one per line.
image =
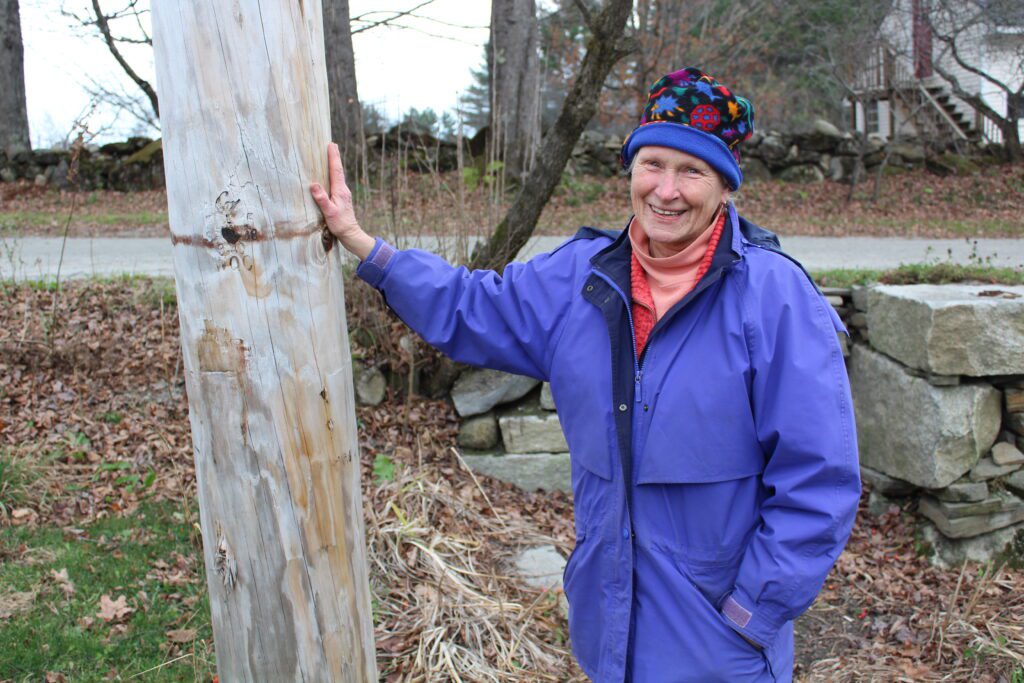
[822,153]
[136,164]
[937,375]
[812,156]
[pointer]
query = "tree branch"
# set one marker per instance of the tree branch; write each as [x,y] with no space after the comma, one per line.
[385,22]
[950,41]
[104,27]
[588,18]
[555,149]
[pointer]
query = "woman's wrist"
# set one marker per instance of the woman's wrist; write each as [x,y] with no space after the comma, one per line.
[358,243]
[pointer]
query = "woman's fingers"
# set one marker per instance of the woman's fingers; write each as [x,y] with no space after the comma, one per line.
[336,170]
[320,196]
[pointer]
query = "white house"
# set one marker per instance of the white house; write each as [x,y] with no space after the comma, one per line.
[906,85]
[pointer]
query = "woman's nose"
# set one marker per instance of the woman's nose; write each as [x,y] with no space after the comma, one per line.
[667,189]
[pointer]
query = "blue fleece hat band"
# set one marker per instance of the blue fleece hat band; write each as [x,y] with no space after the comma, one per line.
[704,146]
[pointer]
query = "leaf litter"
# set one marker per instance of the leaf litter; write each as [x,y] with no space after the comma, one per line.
[104,406]
[910,203]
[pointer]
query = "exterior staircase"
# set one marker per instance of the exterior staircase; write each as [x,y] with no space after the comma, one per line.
[936,112]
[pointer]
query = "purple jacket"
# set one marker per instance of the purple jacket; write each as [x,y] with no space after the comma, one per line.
[734,431]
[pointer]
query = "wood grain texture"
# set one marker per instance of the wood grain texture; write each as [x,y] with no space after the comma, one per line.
[245,118]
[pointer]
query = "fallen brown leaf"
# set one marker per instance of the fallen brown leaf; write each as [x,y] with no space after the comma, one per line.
[113,610]
[63,582]
[183,635]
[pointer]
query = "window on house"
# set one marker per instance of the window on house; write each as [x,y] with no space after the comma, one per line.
[871,117]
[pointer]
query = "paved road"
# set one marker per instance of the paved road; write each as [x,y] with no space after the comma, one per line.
[37,257]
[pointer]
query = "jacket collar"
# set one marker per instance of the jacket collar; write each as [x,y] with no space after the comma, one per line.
[615,260]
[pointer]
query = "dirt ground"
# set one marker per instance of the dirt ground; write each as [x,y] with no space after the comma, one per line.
[70,362]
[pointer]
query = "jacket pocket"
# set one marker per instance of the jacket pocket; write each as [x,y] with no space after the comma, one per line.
[714,578]
[584,586]
[719,621]
[700,444]
[581,536]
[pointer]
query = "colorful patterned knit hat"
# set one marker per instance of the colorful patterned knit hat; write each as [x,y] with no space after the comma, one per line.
[690,111]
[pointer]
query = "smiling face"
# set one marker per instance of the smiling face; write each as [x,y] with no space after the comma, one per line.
[675,196]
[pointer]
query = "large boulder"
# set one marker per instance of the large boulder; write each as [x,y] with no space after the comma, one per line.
[950,553]
[909,429]
[773,149]
[526,433]
[478,390]
[803,173]
[974,330]
[528,471]
[823,137]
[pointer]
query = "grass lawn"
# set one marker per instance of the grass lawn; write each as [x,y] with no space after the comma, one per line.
[124,595]
[920,273]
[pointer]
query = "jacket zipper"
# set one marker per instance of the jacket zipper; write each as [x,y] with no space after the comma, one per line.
[637,367]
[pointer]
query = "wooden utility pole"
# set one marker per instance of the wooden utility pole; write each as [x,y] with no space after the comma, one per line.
[246,122]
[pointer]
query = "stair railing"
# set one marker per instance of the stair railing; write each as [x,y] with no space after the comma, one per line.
[942,112]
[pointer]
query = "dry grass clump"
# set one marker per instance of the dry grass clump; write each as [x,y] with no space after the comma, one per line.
[450,606]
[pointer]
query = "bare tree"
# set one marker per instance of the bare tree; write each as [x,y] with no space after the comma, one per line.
[606,45]
[346,114]
[13,109]
[983,42]
[514,64]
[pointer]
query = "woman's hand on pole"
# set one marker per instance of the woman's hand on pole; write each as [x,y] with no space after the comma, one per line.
[338,210]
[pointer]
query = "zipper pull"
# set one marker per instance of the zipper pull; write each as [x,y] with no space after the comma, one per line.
[636,391]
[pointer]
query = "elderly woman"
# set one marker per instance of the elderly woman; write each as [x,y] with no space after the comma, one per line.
[701,387]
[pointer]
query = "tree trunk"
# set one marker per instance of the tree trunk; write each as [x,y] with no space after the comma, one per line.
[246,121]
[604,49]
[346,114]
[13,110]
[514,64]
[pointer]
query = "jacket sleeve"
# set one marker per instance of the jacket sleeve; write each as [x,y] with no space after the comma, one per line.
[508,322]
[800,396]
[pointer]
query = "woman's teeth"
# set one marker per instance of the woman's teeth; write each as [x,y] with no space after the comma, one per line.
[665,213]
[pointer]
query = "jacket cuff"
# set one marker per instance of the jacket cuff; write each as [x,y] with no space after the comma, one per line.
[373,269]
[752,623]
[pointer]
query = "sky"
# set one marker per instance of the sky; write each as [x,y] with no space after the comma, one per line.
[425,65]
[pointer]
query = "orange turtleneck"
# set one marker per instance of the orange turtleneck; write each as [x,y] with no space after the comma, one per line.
[660,283]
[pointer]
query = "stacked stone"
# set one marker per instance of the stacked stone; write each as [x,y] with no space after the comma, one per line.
[823,152]
[135,164]
[510,430]
[939,397]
